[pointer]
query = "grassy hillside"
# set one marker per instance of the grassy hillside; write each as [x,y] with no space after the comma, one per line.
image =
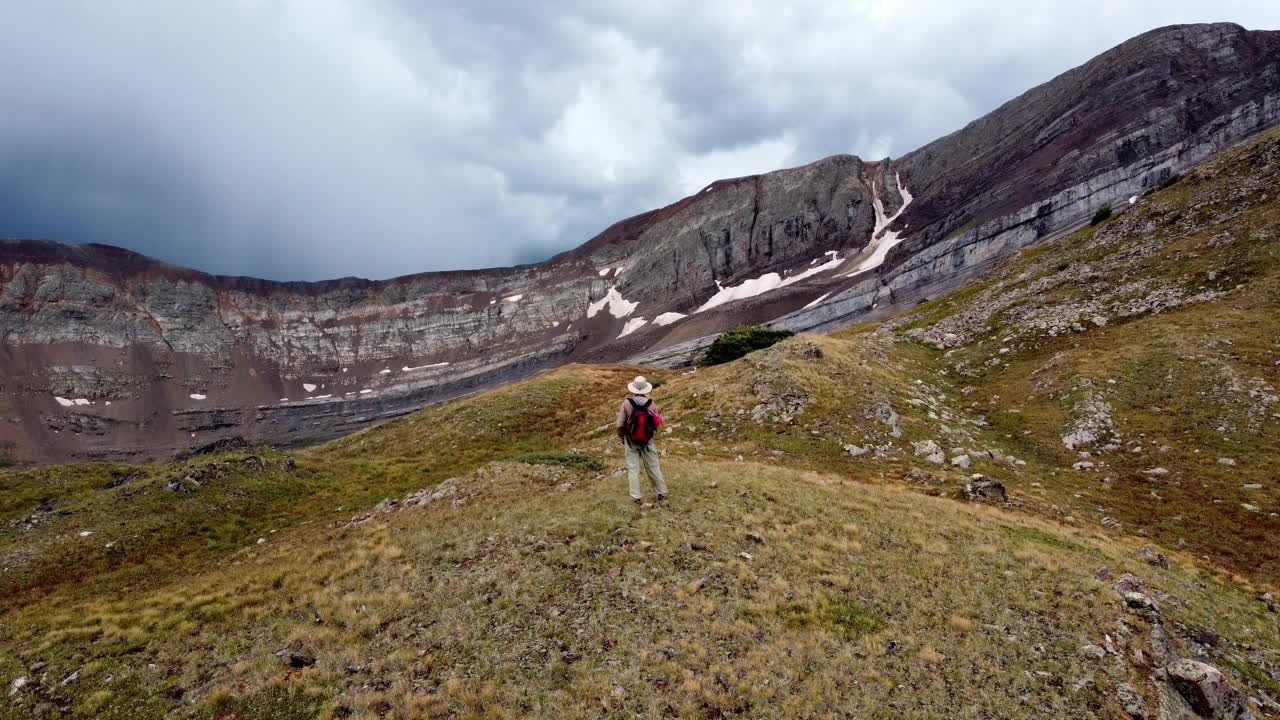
[820,555]
[536,590]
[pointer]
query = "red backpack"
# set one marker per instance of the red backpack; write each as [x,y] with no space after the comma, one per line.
[643,423]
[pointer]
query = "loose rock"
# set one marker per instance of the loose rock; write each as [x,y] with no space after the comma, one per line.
[17,685]
[1093,651]
[1153,558]
[297,655]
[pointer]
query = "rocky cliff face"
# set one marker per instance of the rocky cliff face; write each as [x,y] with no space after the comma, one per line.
[105,353]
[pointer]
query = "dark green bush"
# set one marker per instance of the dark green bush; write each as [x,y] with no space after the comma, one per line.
[567,459]
[740,341]
[1101,216]
[1169,181]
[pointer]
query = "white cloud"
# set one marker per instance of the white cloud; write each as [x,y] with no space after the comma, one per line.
[320,138]
[696,171]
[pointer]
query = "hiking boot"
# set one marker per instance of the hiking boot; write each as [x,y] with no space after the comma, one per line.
[662,498]
[637,501]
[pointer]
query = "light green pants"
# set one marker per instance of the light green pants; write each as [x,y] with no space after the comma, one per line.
[649,454]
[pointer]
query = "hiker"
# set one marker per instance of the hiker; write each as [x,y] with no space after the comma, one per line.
[638,422]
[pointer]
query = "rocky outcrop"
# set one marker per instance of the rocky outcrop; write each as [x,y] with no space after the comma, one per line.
[106,353]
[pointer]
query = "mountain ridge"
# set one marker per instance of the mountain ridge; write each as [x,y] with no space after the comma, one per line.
[785,246]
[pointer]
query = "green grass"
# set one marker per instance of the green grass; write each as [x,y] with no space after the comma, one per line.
[835,612]
[1255,674]
[1049,539]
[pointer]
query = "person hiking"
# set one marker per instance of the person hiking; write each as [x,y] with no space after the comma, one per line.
[638,423]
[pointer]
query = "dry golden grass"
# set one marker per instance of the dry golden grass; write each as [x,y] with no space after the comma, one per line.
[533,599]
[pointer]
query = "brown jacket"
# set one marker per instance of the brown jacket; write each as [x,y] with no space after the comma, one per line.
[624,412]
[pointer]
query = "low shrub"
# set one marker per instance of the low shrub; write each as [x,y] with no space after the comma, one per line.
[1103,214]
[740,341]
[567,459]
[836,612]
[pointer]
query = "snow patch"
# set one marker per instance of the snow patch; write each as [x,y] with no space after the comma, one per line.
[384,371]
[284,399]
[605,272]
[767,282]
[68,403]
[880,247]
[1133,200]
[513,298]
[320,397]
[632,325]
[406,368]
[667,318]
[197,396]
[309,387]
[817,302]
[618,307]
[366,391]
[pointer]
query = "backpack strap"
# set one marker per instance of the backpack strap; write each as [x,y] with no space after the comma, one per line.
[637,406]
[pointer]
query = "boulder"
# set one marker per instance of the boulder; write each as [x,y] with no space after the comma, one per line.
[1206,637]
[1138,601]
[984,489]
[930,451]
[1207,690]
[1127,583]
[961,461]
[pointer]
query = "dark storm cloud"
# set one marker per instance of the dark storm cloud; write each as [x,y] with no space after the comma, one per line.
[320,138]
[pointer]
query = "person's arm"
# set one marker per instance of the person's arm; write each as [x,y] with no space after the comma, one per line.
[622,419]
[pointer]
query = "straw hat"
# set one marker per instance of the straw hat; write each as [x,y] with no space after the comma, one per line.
[640,386]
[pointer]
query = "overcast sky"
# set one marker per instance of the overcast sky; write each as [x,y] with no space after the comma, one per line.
[306,139]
